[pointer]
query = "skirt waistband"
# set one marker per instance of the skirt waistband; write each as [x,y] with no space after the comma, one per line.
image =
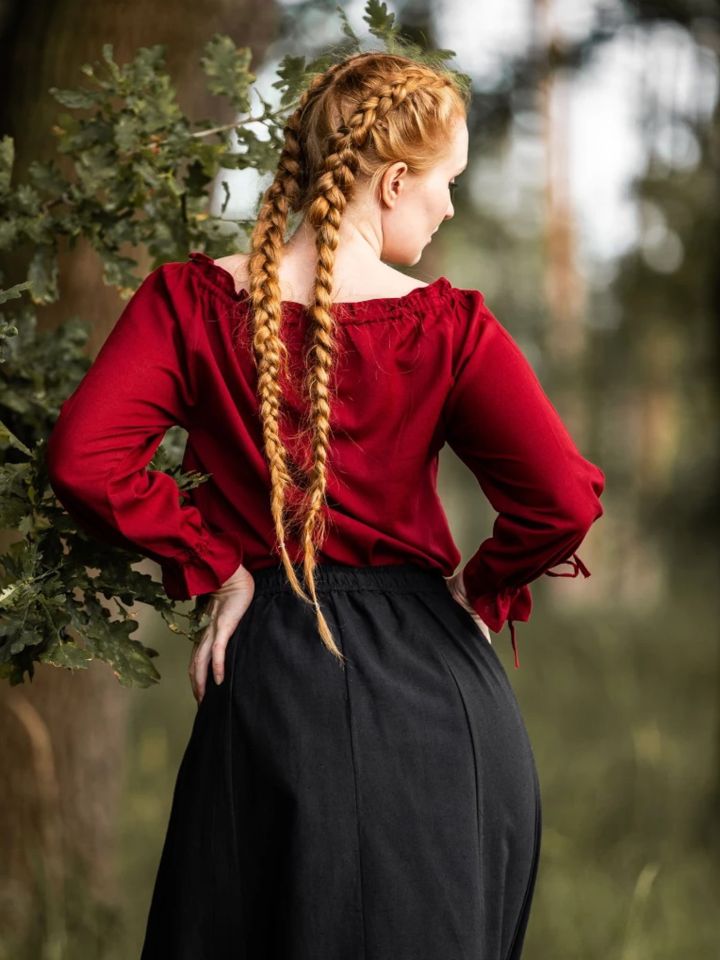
[395,577]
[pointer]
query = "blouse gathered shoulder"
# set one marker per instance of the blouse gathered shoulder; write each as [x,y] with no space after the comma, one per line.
[410,374]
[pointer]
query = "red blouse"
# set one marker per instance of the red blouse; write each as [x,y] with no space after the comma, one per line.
[411,373]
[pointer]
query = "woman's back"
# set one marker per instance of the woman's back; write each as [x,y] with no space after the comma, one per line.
[351,282]
[391,808]
[410,373]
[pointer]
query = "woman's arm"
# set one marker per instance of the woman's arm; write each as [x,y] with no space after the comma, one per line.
[108,430]
[502,425]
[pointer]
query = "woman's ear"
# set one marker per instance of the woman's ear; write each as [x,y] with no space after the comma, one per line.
[393,182]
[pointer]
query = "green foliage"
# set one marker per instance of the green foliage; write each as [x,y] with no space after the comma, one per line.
[134,175]
[139,173]
[228,72]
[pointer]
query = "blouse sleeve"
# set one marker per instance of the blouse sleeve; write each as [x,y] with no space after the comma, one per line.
[109,429]
[503,426]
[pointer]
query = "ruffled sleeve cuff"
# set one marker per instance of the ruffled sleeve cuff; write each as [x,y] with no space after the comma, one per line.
[203,569]
[506,605]
[515,603]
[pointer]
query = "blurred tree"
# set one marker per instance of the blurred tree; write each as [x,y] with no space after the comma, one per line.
[669,345]
[63,736]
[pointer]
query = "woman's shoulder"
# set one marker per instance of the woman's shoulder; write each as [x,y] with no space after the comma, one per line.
[384,284]
[393,288]
[387,293]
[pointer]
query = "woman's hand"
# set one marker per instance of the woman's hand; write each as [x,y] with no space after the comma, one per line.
[457,589]
[226,608]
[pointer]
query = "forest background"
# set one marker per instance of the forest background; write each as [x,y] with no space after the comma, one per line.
[588,216]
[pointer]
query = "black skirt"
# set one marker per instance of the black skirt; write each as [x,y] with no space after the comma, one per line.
[389,810]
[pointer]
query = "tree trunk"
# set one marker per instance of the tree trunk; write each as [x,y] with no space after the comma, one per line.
[63,735]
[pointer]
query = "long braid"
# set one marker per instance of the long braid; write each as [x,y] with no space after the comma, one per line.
[333,190]
[338,160]
[270,350]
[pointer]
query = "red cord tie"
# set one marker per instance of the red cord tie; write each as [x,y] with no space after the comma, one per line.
[577,565]
[514,644]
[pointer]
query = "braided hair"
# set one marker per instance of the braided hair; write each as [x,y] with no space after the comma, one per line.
[352,122]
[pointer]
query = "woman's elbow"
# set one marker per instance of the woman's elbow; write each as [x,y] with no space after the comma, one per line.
[72,475]
[587,507]
[578,508]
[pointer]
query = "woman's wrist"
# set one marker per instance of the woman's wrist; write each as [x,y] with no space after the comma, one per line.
[456,587]
[240,578]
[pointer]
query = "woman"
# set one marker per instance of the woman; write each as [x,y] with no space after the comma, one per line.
[359,781]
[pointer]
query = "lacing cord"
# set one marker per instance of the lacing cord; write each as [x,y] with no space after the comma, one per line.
[578,567]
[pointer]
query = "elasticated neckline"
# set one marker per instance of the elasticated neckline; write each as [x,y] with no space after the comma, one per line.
[222,280]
